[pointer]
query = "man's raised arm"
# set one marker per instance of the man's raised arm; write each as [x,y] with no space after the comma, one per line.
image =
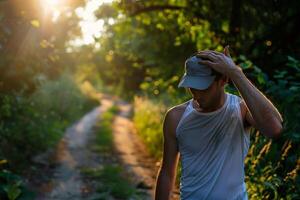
[262,114]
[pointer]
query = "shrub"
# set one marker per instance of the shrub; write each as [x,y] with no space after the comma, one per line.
[32,124]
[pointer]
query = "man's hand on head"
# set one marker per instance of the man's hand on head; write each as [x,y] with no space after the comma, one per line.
[220,62]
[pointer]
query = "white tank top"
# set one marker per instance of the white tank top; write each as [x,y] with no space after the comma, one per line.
[213,147]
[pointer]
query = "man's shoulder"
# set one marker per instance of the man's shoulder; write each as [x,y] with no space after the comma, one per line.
[175,112]
[172,118]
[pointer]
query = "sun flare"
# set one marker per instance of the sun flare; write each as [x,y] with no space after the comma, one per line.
[52,8]
[51,3]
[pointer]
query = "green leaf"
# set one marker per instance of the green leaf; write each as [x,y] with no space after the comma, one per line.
[13,191]
[273,188]
[261,79]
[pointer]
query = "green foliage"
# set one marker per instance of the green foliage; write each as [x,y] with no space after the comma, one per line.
[131,56]
[104,138]
[149,40]
[68,104]
[33,109]
[32,124]
[31,46]
[148,117]
[114,182]
[272,167]
[12,187]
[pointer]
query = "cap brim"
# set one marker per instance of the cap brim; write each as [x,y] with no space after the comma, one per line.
[197,82]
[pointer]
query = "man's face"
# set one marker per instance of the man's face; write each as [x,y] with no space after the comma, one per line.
[209,97]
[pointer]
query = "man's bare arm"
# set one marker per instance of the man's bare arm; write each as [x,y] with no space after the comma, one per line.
[167,172]
[262,114]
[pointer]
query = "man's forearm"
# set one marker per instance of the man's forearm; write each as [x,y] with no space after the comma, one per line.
[266,116]
[164,186]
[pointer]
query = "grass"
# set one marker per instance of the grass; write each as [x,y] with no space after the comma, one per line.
[148,119]
[110,176]
[112,182]
[104,138]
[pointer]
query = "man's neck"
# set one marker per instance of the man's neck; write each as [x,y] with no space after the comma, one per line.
[215,107]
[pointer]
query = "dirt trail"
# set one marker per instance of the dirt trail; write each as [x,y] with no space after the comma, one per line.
[132,152]
[70,156]
[63,179]
[136,160]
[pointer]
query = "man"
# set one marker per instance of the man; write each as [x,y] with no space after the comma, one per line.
[210,132]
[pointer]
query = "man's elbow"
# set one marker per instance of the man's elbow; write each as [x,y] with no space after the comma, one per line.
[275,131]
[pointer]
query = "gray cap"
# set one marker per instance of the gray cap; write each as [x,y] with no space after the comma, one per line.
[196,75]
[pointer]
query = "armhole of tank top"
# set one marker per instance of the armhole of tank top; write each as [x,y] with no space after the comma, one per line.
[239,110]
[182,117]
[238,106]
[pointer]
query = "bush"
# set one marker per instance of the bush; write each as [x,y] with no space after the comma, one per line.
[272,166]
[12,187]
[32,124]
[148,118]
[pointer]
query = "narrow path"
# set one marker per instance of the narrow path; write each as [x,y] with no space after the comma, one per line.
[133,153]
[64,179]
[71,155]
